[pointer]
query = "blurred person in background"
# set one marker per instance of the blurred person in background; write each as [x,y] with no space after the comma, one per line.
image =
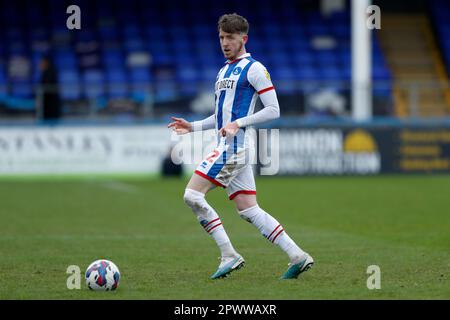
[169,168]
[51,102]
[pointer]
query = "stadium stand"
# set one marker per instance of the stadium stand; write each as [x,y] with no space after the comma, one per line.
[169,50]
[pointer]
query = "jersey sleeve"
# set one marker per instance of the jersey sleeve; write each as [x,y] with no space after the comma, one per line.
[205,124]
[259,78]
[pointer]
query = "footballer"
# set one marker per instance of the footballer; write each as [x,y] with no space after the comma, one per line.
[238,85]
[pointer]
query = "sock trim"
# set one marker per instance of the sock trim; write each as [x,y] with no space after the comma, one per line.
[268,237]
[210,230]
[273,240]
[211,222]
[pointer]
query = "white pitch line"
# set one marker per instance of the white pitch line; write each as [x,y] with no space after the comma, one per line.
[120,186]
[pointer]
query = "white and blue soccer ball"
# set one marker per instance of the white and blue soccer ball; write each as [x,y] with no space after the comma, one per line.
[102,275]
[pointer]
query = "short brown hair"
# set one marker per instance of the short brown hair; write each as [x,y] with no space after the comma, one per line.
[233,23]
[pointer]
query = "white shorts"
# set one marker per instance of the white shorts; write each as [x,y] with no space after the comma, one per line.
[229,169]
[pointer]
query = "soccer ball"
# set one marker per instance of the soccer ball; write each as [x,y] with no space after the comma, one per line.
[102,275]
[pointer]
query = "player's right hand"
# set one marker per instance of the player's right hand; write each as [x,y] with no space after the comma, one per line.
[180,126]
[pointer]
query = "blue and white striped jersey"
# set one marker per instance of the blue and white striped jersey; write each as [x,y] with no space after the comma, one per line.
[237,87]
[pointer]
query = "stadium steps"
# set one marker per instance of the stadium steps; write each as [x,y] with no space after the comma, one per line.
[411,53]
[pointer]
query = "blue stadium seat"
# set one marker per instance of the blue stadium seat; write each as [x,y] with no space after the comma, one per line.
[14,34]
[65,59]
[17,48]
[317,30]
[165,91]
[141,75]
[280,58]
[283,73]
[162,58]
[69,84]
[325,57]
[124,27]
[208,74]
[134,44]
[39,34]
[303,58]
[346,73]
[380,72]
[271,31]
[3,84]
[141,83]
[299,44]
[158,46]
[341,31]
[85,35]
[331,73]
[22,89]
[201,30]
[153,30]
[306,72]
[188,73]
[345,57]
[113,58]
[108,33]
[93,83]
[182,46]
[117,83]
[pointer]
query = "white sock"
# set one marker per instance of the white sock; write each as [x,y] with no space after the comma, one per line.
[210,221]
[272,230]
[288,245]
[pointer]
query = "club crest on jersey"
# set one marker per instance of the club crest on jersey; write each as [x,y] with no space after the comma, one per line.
[267,74]
[237,71]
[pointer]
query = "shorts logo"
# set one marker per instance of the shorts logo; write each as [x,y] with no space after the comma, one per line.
[212,155]
[237,71]
[204,164]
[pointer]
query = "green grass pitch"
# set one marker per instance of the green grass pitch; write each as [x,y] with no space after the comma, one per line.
[401,224]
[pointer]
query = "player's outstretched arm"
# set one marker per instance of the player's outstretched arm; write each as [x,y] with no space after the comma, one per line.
[205,124]
[181,126]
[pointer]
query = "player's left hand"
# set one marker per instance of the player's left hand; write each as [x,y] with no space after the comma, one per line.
[230,129]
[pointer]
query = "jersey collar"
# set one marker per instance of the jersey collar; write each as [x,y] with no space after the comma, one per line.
[245,55]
